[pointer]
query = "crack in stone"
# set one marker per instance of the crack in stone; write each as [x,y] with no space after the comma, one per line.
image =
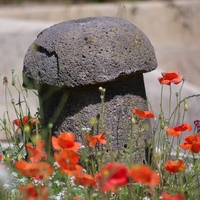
[50,54]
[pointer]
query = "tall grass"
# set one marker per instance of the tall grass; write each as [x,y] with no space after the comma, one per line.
[171,170]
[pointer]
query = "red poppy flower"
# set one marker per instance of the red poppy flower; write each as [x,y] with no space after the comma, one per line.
[44,170]
[36,153]
[39,171]
[177,130]
[197,123]
[20,123]
[143,114]
[77,198]
[144,174]
[67,159]
[175,166]
[111,176]
[23,167]
[75,170]
[65,141]
[170,77]
[32,192]
[1,157]
[92,140]
[24,120]
[166,196]
[85,180]
[192,143]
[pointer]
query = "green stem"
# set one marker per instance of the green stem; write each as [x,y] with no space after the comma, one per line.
[177,102]
[102,96]
[170,100]
[179,108]
[183,116]
[161,99]
[191,96]
[170,148]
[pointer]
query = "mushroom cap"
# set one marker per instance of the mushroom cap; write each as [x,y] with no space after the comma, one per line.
[87,51]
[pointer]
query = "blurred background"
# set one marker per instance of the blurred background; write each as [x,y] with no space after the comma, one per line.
[171,25]
[65,1]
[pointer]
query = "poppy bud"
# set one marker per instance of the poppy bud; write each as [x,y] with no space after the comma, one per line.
[13,79]
[165,127]
[99,153]
[35,139]
[94,195]
[133,120]
[7,159]
[5,80]
[20,157]
[185,106]
[94,121]
[27,129]
[50,126]
[100,89]
[162,125]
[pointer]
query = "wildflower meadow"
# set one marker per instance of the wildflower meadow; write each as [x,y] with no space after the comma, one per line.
[65,172]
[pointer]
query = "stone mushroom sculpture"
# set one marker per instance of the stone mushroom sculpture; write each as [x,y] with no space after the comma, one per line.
[69,61]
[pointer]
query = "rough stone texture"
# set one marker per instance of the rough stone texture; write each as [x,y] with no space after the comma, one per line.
[69,61]
[88,51]
[85,103]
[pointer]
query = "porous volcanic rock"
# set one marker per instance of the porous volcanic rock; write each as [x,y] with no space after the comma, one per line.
[87,52]
[69,61]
